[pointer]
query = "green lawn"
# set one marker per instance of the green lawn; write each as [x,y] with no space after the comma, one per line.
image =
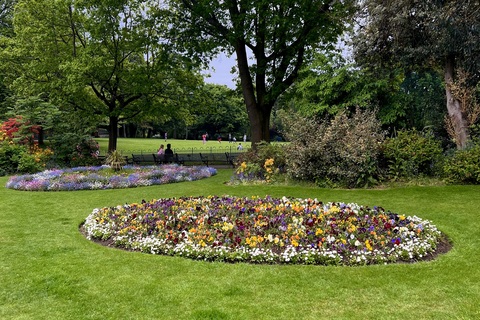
[48,270]
[137,145]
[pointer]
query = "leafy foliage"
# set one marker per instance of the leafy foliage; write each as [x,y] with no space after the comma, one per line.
[279,36]
[266,163]
[107,58]
[411,153]
[223,113]
[424,35]
[340,152]
[20,154]
[464,166]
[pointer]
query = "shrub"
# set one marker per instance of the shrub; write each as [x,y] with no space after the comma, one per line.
[411,153]
[18,151]
[72,149]
[18,158]
[265,163]
[464,166]
[19,130]
[341,152]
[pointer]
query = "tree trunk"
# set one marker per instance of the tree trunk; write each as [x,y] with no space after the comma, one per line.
[112,133]
[41,136]
[454,107]
[258,113]
[259,123]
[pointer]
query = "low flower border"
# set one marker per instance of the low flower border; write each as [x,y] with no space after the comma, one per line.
[265,230]
[89,178]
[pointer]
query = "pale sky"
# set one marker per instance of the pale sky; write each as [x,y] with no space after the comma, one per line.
[222,65]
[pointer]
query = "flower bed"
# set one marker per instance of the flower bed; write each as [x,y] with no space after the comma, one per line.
[103,177]
[264,230]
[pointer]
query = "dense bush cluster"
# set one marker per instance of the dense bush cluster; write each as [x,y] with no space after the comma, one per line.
[73,150]
[340,152]
[411,153]
[464,166]
[352,151]
[18,151]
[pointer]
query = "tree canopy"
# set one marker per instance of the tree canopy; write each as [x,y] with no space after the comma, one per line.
[419,35]
[279,36]
[103,57]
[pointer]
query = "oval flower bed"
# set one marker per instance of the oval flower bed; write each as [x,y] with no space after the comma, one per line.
[103,177]
[264,230]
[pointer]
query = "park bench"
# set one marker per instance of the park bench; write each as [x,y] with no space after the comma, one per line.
[191,159]
[167,159]
[214,159]
[142,159]
[232,157]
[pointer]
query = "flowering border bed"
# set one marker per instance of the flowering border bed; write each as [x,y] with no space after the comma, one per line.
[103,177]
[265,230]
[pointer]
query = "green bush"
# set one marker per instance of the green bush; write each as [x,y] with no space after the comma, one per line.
[342,152]
[73,150]
[411,153]
[264,163]
[16,158]
[463,166]
[10,155]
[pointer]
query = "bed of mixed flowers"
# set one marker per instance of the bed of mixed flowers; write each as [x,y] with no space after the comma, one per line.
[264,230]
[103,177]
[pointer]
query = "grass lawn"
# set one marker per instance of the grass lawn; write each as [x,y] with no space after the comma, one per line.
[48,270]
[137,145]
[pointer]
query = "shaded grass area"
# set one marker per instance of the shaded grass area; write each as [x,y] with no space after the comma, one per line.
[48,270]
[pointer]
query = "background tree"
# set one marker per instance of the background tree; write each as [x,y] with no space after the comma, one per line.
[100,57]
[418,35]
[6,30]
[279,35]
[330,84]
[224,114]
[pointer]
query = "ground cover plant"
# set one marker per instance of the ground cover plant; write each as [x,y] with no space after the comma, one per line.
[104,177]
[264,230]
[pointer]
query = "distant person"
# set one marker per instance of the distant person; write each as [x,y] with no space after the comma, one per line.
[161,153]
[234,140]
[169,153]
[229,138]
[161,150]
[244,138]
[204,138]
[166,136]
[219,139]
[239,147]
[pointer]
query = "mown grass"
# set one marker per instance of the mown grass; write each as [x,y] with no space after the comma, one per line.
[137,145]
[48,270]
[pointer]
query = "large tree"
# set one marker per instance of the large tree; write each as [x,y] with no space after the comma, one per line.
[100,57]
[277,35]
[427,34]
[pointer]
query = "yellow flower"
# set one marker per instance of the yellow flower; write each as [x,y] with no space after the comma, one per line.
[368,245]
[334,209]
